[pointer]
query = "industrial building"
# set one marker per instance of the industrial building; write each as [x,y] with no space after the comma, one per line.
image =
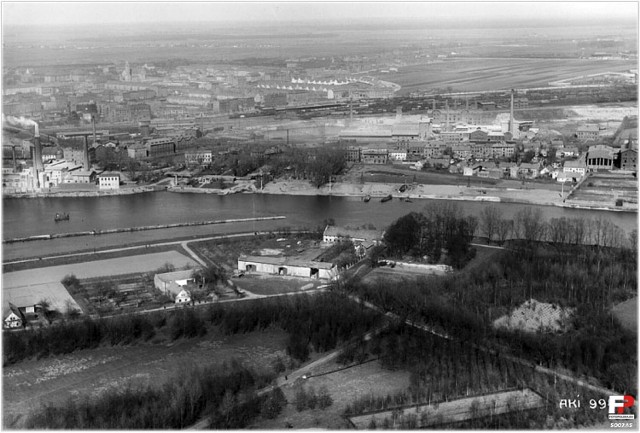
[601,157]
[287,266]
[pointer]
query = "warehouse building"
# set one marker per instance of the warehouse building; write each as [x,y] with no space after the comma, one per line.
[287,266]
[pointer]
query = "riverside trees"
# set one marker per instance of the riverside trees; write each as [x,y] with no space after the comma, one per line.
[437,232]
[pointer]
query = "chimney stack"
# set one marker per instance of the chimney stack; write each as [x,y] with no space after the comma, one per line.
[511,121]
[85,155]
[37,151]
[13,152]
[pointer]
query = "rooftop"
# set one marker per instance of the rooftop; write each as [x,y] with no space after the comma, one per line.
[286,261]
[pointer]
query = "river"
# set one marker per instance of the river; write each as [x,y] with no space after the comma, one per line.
[29,217]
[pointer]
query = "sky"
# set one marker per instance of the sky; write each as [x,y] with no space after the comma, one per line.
[73,12]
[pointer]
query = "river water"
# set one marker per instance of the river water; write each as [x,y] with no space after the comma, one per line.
[29,217]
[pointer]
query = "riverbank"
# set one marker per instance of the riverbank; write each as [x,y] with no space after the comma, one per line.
[86,193]
[527,195]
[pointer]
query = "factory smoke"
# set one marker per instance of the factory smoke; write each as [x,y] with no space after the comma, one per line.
[22,122]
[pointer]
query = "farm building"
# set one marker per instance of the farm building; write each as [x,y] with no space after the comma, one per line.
[173,283]
[286,266]
[13,317]
[367,238]
[18,317]
[183,297]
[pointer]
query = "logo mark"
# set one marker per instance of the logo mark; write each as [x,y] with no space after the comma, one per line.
[617,405]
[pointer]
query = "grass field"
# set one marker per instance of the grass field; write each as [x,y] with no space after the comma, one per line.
[274,285]
[343,386]
[461,409]
[98,268]
[88,373]
[627,314]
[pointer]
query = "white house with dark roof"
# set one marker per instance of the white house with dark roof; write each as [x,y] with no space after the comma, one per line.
[109,180]
[365,237]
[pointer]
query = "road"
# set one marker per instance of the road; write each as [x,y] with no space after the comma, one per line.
[303,373]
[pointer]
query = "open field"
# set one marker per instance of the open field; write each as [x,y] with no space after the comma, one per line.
[627,314]
[461,410]
[274,285]
[98,268]
[343,386]
[88,373]
[475,74]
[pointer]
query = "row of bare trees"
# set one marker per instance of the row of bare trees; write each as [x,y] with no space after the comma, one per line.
[529,225]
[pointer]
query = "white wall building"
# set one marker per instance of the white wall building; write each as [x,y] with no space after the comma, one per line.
[109,181]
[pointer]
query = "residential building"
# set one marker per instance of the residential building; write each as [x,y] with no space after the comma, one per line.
[201,158]
[588,132]
[503,150]
[374,156]
[629,159]
[367,238]
[172,283]
[353,154]
[109,180]
[575,167]
[462,151]
[528,170]
[398,154]
[81,176]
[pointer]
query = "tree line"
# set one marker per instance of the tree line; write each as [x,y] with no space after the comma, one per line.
[443,370]
[314,322]
[437,233]
[225,393]
[530,226]
[588,279]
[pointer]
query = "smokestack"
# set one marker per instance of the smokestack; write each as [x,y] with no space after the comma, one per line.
[93,124]
[13,152]
[85,154]
[511,122]
[467,103]
[37,150]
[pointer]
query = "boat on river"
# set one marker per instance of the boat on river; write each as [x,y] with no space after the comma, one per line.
[366,198]
[387,198]
[61,217]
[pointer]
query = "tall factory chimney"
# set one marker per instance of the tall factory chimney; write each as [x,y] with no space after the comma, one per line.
[37,150]
[93,125]
[433,104]
[85,154]
[467,103]
[511,121]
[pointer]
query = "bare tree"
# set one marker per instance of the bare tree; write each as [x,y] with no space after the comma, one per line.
[504,230]
[490,219]
[529,225]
